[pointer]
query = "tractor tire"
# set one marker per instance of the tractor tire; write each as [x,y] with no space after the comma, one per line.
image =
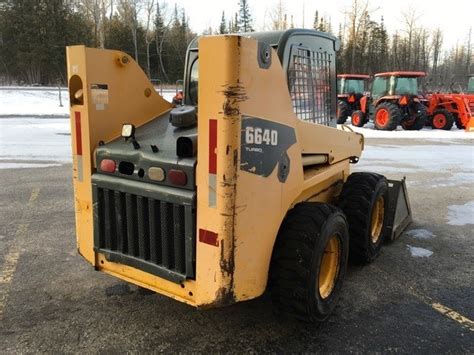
[309,261]
[387,116]
[358,118]
[458,122]
[417,120]
[442,119]
[343,111]
[364,200]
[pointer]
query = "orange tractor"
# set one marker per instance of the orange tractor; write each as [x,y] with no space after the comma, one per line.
[393,101]
[457,107]
[351,89]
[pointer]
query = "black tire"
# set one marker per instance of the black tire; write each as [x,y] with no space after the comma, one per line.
[442,119]
[343,111]
[458,122]
[358,118]
[417,119]
[301,246]
[393,119]
[358,200]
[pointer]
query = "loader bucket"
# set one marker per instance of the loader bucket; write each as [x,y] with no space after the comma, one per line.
[399,210]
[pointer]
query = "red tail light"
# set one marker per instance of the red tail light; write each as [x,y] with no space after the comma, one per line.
[177,177]
[107,165]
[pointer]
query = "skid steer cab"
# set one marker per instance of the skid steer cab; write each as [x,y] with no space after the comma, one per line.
[351,94]
[244,186]
[394,100]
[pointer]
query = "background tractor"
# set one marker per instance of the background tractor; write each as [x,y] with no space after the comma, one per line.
[444,110]
[245,186]
[351,90]
[394,100]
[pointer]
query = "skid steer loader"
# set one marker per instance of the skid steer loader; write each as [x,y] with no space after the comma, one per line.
[244,187]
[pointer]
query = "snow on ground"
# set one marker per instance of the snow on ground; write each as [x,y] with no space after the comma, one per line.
[43,140]
[460,215]
[455,162]
[24,101]
[426,133]
[418,252]
[33,102]
[419,234]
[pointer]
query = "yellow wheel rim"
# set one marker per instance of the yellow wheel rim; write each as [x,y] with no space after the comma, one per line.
[329,266]
[377,219]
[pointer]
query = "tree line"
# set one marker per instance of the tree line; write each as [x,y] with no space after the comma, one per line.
[34,33]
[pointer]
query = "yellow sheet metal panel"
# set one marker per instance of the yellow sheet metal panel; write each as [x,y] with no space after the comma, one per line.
[107,89]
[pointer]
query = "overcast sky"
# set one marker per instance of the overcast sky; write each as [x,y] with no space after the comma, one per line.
[454,17]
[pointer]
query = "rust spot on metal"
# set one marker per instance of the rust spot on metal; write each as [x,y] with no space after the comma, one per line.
[234,94]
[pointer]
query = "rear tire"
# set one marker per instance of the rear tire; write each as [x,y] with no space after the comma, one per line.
[364,201]
[417,120]
[343,111]
[358,118]
[442,119]
[387,116]
[309,261]
[458,122]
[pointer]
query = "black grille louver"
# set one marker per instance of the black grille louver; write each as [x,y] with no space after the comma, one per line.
[145,232]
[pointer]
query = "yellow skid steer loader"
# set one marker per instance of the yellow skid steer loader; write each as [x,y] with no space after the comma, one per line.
[245,186]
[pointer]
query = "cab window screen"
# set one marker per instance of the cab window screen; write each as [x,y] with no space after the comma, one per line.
[309,78]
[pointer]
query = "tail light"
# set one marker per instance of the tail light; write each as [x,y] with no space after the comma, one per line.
[177,177]
[107,165]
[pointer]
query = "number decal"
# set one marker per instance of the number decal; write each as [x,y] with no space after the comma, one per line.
[257,135]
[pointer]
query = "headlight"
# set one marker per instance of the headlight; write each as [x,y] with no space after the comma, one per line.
[128,130]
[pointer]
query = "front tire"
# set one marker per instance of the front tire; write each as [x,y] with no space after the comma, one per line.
[442,119]
[364,200]
[387,116]
[309,261]
[358,118]
[343,111]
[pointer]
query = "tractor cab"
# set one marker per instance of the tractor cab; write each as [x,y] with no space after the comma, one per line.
[348,84]
[470,85]
[398,84]
[351,89]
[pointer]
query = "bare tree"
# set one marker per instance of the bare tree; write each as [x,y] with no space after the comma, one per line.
[149,30]
[129,11]
[96,13]
[358,9]
[278,16]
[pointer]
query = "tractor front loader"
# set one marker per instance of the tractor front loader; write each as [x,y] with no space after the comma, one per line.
[245,186]
[394,100]
[351,96]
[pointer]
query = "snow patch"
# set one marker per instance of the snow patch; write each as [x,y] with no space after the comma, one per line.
[426,133]
[4,165]
[420,234]
[418,252]
[460,215]
[21,101]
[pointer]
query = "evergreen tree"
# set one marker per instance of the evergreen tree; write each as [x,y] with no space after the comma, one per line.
[222,27]
[244,23]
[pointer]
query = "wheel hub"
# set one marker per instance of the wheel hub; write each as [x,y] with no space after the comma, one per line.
[329,266]
[377,219]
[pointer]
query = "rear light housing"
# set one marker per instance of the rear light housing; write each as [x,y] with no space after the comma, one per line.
[108,165]
[177,177]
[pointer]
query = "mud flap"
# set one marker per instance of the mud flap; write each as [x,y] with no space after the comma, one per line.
[399,210]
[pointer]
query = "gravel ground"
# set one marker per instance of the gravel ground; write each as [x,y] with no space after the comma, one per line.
[51,300]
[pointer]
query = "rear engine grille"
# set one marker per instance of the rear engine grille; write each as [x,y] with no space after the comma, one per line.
[145,232]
